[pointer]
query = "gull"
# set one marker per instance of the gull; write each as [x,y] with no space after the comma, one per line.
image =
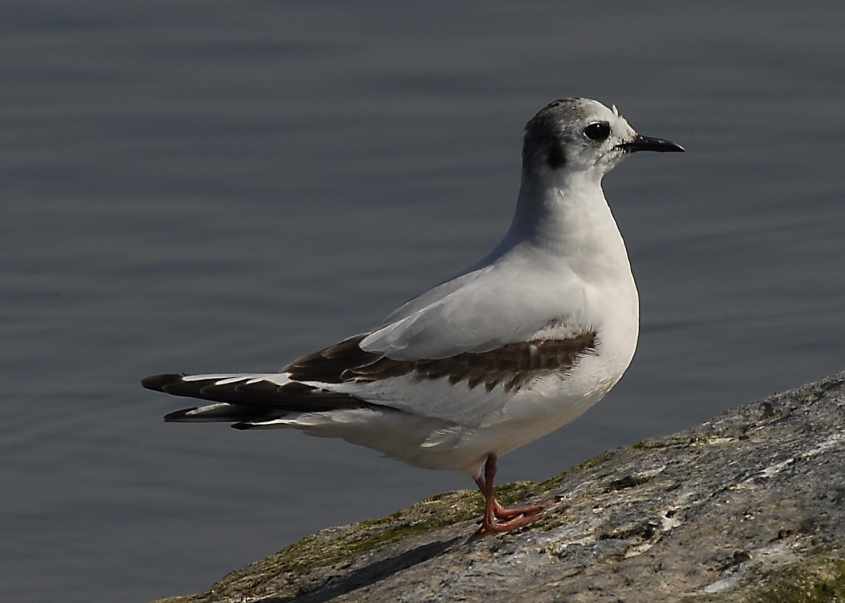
[513,348]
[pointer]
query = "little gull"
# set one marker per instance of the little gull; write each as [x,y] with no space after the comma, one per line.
[515,347]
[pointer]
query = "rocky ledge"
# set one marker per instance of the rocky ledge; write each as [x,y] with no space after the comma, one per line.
[747,507]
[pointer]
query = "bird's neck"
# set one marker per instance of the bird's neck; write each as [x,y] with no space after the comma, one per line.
[566,215]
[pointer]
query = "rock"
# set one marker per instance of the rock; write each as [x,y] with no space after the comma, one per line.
[747,507]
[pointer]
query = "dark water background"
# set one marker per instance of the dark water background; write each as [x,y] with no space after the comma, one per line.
[200,186]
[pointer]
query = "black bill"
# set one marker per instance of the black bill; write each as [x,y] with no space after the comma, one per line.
[648,143]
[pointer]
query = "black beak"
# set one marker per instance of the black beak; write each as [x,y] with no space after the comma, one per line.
[647,143]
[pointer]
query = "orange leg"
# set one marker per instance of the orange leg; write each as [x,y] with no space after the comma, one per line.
[499,519]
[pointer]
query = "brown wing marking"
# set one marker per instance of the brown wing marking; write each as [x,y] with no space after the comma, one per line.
[328,365]
[512,364]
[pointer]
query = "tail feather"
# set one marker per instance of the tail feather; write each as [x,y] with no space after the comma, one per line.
[249,398]
[219,412]
[272,423]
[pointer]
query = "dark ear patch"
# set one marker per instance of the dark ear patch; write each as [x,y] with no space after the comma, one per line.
[555,157]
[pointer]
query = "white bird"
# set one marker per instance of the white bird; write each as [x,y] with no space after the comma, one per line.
[510,350]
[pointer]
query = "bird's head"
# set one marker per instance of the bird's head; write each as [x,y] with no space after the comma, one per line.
[572,135]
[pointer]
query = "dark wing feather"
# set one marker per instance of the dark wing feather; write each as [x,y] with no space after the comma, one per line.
[512,365]
[290,397]
[329,364]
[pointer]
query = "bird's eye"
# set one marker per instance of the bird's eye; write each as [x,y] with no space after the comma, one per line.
[598,131]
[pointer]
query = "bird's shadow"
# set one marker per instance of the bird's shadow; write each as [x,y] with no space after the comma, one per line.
[370,574]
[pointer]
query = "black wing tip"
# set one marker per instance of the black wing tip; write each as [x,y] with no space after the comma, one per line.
[242,425]
[178,416]
[160,382]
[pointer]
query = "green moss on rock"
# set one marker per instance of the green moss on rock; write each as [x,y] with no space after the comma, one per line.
[336,546]
[817,580]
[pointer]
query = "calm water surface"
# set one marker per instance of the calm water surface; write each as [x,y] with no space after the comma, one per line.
[205,186]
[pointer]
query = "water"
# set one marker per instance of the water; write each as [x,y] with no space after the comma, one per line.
[200,187]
